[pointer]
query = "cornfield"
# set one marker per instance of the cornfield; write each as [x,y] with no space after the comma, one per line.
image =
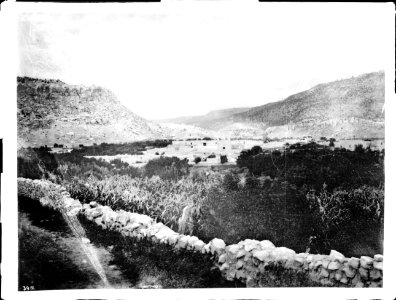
[162,200]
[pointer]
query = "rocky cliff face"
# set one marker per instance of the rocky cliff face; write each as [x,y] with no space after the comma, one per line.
[50,111]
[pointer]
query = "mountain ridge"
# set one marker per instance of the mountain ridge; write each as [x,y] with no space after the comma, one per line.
[344,108]
[51,111]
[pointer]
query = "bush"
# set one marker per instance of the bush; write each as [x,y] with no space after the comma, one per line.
[230,182]
[36,163]
[277,214]
[223,159]
[171,168]
[355,213]
[197,160]
[314,165]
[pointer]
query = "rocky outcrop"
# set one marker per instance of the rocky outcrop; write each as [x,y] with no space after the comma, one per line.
[51,111]
[247,261]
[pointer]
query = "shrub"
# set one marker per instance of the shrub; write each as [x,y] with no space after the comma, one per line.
[352,212]
[197,160]
[171,168]
[230,182]
[36,163]
[314,165]
[223,159]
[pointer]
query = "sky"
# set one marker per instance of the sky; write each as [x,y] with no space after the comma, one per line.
[164,62]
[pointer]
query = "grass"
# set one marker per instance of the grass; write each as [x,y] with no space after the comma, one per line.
[278,276]
[45,260]
[156,265]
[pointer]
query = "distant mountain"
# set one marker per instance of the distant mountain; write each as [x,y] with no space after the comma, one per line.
[208,120]
[345,108]
[342,109]
[51,111]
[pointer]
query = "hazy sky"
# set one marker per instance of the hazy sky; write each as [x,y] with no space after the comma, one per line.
[164,63]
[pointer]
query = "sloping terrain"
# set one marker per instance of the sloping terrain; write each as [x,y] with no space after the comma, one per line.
[345,108]
[50,111]
[208,120]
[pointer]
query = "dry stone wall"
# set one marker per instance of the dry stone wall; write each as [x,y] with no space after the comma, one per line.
[247,261]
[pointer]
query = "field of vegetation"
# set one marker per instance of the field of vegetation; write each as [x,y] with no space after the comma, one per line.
[306,197]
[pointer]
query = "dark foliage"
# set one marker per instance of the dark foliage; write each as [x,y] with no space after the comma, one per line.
[171,168]
[75,165]
[124,148]
[36,163]
[313,165]
[277,213]
[197,159]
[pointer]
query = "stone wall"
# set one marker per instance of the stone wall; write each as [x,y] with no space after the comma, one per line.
[247,261]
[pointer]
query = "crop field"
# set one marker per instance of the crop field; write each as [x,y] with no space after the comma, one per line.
[305,196]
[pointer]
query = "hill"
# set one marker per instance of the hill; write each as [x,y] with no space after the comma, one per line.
[208,120]
[345,108]
[51,111]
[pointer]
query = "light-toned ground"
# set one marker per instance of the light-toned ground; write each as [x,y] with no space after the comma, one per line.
[230,148]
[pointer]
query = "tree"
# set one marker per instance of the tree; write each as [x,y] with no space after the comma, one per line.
[256,150]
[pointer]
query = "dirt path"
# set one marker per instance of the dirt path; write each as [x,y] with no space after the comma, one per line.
[51,257]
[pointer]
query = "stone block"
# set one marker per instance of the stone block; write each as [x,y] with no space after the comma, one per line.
[198,245]
[354,262]
[248,256]
[222,258]
[363,273]
[230,274]
[233,249]
[378,265]
[93,204]
[241,253]
[251,282]
[182,242]
[263,255]
[375,274]
[282,254]
[173,239]
[334,265]
[217,246]
[267,245]
[240,274]
[239,264]
[378,257]
[164,232]
[344,279]
[356,280]
[366,262]
[323,273]
[224,267]
[336,256]
[325,263]
[251,245]
[349,272]
[374,284]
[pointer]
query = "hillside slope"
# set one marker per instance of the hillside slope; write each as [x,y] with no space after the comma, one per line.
[208,120]
[345,108]
[50,111]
